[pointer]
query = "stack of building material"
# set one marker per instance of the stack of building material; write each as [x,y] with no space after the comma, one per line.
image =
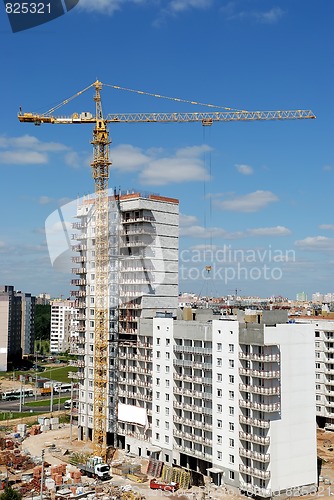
[176,475]
[154,467]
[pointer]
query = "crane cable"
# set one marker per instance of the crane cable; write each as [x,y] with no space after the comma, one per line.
[177,99]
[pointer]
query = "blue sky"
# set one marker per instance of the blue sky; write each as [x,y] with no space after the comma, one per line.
[256,196]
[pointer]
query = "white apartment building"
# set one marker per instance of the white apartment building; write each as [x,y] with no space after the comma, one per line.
[231,399]
[63,325]
[143,278]
[324,369]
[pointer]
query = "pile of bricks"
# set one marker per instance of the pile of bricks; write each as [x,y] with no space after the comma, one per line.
[34,430]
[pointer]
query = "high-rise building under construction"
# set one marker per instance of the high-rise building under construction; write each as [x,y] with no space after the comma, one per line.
[142,279]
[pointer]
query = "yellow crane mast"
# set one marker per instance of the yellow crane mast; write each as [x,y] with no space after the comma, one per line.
[100,171]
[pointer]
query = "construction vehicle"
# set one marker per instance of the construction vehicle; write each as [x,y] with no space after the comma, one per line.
[156,484]
[95,467]
[103,341]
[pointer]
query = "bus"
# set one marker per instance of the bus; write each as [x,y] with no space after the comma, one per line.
[12,395]
[62,388]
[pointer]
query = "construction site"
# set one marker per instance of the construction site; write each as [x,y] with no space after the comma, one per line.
[148,403]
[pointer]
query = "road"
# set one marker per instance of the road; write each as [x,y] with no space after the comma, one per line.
[15,404]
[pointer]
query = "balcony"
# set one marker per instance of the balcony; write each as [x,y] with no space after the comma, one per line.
[253,438]
[264,358]
[254,455]
[78,259]
[79,282]
[263,424]
[192,364]
[79,248]
[259,373]
[142,218]
[267,391]
[260,406]
[197,409]
[196,350]
[79,270]
[78,293]
[251,471]
[78,225]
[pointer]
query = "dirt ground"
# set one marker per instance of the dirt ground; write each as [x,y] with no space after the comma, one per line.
[61,439]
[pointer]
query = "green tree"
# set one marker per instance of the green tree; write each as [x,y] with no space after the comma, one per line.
[10,494]
[42,322]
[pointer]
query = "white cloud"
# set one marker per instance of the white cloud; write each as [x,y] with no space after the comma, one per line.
[316,243]
[108,6]
[27,142]
[269,231]
[329,227]
[182,5]
[251,202]
[327,168]
[232,11]
[155,168]
[244,169]
[23,157]
[128,158]
[46,200]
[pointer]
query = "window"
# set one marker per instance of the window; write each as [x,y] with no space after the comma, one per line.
[157,435]
[167,397]
[318,387]
[317,365]
[219,377]
[231,426]
[219,439]
[167,383]
[318,408]
[157,409]
[157,395]
[167,341]
[219,455]
[317,354]
[166,411]
[318,397]
[219,361]
[231,410]
[158,339]
[231,348]
[219,408]
[167,355]
[158,368]
[219,393]
[219,346]
[231,394]
[317,376]
[231,474]
[231,459]
[231,363]
[167,439]
[167,369]
[157,422]
[167,426]
[158,354]
[231,442]
[219,424]
[231,379]
[158,381]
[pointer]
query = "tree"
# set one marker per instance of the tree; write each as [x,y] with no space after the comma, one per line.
[42,322]
[10,494]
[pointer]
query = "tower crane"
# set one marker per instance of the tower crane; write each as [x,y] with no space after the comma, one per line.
[100,172]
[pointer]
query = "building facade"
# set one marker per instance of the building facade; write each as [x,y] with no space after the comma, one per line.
[143,278]
[226,400]
[17,326]
[63,325]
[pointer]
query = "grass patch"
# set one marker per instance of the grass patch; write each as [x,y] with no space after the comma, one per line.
[60,374]
[46,402]
[12,415]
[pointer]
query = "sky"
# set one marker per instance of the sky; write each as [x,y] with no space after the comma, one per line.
[255,197]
